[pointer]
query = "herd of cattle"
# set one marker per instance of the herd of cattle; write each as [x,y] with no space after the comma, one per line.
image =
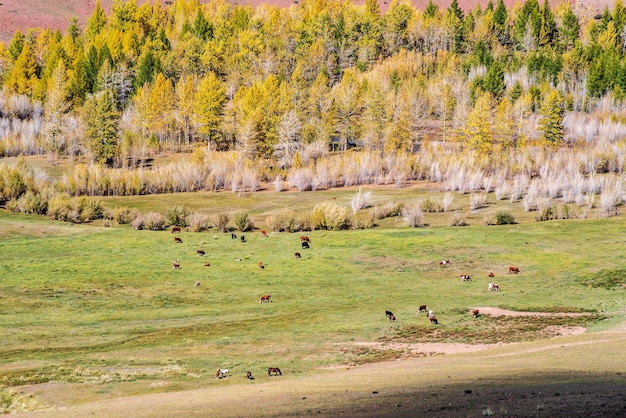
[305,243]
[430,315]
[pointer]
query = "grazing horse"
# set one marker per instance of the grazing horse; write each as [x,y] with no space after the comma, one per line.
[261,266]
[514,270]
[242,238]
[304,238]
[176,264]
[475,313]
[305,244]
[297,255]
[221,373]
[422,309]
[275,370]
[178,240]
[491,274]
[265,298]
[465,278]
[444,262]
[264,233]
[200,253]
[233,235]
[433,320]
[493,287]
[249,376]
[176,229]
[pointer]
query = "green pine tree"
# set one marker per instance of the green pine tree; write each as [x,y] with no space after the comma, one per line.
[551,121]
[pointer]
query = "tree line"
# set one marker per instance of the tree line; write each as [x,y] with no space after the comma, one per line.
[271,94]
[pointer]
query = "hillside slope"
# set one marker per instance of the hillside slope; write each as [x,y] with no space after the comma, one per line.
[25,14]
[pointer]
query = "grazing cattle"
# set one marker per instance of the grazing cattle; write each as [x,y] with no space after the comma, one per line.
[233,235]
[274,370]
[493,287]
[242,238]
[176,229]
[238,258]
[475,313]
[491,274]
[298,255]
[221,373]
[430,314]
[175,264]
[265,298]
[433,320]
[178,240]
[261,266]
[264,233]
[249,376]
[304,238]
[465,278]
[305,244]
[207,265]
[422,308]
[514,270]
[200,253]
[197,284]
[444,262]
[391,316]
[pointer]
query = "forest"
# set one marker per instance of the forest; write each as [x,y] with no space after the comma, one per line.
[525,102]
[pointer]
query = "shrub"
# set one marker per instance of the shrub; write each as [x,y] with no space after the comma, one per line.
[432,206]
[124,216]
[197,222]
[177,216]
[490,219]
[546,213]
[414,215]
[89,208]
[457,219]
[221,222]
[153,221]
[478,200]
[362,220]
[31,202]
[137,222]
[330,216]
[285,220]
[388,210]
[361,200]
[504,218]
[243,222]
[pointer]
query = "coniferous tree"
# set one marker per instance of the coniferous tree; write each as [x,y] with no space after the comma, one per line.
[494,80]
[101,119]
[551,121]
[16,45]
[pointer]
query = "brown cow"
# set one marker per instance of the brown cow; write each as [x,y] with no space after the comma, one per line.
[201,253]
[261,266]
[422,308]
[298,255]
[491,274]
[514,270]
[178,240]
[475,312]
[249,376]
[176,229]
[264,233]
[265,298]
[304,238]
[433,320]
[207,265]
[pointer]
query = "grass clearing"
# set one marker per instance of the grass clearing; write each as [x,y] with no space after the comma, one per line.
[102,305]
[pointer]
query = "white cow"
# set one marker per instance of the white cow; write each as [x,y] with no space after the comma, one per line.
[493,287]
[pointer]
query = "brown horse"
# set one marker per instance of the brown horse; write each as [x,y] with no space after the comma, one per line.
[274,370]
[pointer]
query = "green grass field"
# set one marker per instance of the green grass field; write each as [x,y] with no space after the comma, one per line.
[103,306]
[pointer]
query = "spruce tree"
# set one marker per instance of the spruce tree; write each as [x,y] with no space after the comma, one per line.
[551,121]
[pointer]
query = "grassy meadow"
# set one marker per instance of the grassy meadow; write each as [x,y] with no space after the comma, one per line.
[103,306]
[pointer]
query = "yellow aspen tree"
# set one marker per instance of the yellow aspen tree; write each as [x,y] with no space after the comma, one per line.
[208,108]
[184,108]
[504,125]
[23,78]
[161,105]
[55,107]
[477,132]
